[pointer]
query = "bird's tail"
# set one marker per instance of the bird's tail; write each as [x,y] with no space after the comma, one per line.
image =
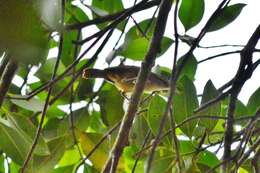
[93,73]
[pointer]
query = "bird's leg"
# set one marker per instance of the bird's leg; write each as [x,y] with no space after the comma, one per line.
[148,97]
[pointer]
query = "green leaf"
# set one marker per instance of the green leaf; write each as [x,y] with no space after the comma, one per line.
[189,68]
[74,14]
[129,155]
[162,160]
[226,16]
[105,7]
[50,13]
[45,71]
[184,103]
[187,146]
[43,164]
[68,49]
[85,88]
[191,12]
[155,112]
[209,93]
[70,157]
[65,169]
[33,104]
[18,133]
[240,111]
[147,26]
[111,105]
[254,102]
[26,39]
[139,130]
[208,158]
[136,49]
[26,129]
[110,6]
[2,163]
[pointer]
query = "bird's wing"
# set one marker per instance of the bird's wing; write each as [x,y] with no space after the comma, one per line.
[129,80]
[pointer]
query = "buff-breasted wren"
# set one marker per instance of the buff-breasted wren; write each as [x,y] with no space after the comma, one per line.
[124,78]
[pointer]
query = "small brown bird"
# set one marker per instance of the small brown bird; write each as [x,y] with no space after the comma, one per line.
[124,78]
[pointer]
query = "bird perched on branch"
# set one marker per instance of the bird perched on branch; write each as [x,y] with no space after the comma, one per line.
[124,78]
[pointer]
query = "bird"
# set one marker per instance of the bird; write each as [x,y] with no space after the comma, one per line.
[124,78]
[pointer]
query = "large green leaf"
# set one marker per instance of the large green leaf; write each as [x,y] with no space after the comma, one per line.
[64,169]
[68,49]
[26,129]
[191,12]
[74,14]
[136,49]
[147,27]
[22,33]
[111,104]
[226,16]
[18,133]
[129,160]
[208,158]
[33,104]
[189,68]
[209,93]
[155,112]
[43,164]
[163,160]
[2,163]
[85,88]
[184,103]
[70,157]
[254,102]
[105,7]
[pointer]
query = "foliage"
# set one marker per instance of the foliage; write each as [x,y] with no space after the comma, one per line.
[79,115]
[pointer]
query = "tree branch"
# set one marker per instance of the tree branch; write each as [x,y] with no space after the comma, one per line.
[45,108]
[147,64]
[139,7]
[7,78]
[244,72]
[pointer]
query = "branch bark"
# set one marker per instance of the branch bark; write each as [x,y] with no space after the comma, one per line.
[147,64]
[244,72]
[7,78]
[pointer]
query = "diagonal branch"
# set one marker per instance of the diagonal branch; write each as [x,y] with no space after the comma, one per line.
[147,64]
[45,108]
[138,7]
[244,72]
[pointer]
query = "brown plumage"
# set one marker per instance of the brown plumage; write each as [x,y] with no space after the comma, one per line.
[124,78]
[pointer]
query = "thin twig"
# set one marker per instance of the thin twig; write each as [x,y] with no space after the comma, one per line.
[116,126]
[72,125]
[110,17]
[142,147]
[118,20]
[212,101]
[44,111]
[78,73]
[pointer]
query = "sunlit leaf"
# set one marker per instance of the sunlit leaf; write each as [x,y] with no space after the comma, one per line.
[136,49]
[191,12]
[226,16]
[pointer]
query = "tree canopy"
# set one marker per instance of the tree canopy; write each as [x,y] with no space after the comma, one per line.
[54,121]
